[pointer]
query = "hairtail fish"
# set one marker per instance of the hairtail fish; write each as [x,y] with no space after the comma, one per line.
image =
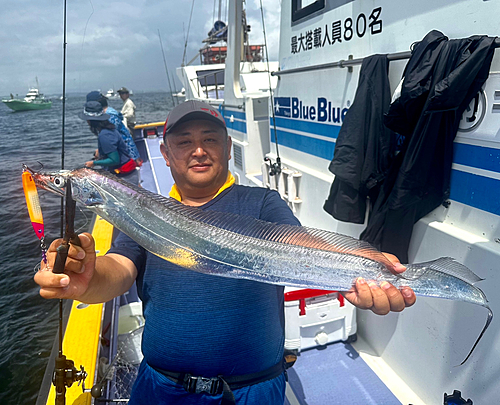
[235,246]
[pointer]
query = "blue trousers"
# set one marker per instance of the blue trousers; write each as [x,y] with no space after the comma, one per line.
[152,387]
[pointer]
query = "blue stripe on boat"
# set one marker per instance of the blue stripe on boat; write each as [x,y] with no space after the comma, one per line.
[236,125]
[477,156]
[236,114]
[474,190]
[313,146]
[477,191]
[317,128]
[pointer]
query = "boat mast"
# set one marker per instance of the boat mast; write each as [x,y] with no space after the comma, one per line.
[232,90]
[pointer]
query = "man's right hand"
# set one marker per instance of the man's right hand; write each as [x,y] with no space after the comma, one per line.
[78,272]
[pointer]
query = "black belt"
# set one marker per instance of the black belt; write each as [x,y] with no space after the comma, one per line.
[220,384]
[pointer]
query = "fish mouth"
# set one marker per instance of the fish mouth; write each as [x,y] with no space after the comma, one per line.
[53,182]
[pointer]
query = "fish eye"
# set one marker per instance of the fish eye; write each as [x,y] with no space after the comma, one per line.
[59,181]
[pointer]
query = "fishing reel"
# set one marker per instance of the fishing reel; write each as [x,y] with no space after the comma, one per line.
[65,374]
[274,168]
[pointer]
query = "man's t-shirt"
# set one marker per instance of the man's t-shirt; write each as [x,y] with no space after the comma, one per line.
[208,325]
[109,140]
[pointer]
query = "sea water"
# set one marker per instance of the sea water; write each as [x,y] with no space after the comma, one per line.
[28,323]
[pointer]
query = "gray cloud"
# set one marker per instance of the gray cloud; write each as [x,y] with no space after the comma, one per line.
[118,47]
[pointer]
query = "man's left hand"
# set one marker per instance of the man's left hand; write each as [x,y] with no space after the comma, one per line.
[384,298]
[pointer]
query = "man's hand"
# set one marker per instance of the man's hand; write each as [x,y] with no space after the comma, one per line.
[384,298]
[78,272]
[90,163]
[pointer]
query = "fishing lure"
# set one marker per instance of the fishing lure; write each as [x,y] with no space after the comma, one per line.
[34,210]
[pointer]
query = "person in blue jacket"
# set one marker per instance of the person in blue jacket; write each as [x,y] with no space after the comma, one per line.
[112,151]
[207,340]
[116,118]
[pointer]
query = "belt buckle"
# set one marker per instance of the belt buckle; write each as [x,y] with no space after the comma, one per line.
[197,385]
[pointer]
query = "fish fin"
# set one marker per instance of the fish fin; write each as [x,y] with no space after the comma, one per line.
[267,231]
[446,265]
[450,266]
[286,234]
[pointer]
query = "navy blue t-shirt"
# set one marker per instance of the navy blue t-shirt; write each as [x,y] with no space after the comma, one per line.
[208,325]
[110,140]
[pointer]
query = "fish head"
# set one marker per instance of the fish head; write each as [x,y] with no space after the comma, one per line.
[84,188]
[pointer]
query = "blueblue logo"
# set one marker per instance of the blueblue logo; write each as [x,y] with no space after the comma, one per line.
[322,111]
[282,107]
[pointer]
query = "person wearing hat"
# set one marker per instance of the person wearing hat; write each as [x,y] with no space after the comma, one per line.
[128,109]
[116,119]
[207,340]
[112,151]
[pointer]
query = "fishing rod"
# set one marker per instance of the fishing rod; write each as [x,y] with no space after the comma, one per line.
[65,372]
[275,168]
[187,35]
[166,69]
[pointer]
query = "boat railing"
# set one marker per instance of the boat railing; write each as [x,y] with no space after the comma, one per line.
[206,85]
[253,53]
[238,106]
[350,62]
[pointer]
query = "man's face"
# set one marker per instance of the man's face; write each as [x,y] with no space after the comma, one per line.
[124,96]
[197,153]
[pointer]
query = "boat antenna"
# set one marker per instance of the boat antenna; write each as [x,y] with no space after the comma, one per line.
[166,69]
[275,167]
[187,35]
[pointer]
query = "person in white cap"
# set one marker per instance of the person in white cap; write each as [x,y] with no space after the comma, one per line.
[128,109]
[207,340]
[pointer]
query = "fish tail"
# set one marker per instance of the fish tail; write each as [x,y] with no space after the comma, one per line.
[488,321]
[451,267]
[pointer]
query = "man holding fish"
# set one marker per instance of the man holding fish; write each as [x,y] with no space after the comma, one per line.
[207,340]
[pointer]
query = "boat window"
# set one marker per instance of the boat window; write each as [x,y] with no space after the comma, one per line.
[304,8]
[210,77]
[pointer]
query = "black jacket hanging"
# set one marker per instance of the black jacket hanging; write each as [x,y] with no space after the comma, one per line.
[440,80]
[363,146]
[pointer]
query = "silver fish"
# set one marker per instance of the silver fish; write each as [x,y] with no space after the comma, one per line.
[241,247]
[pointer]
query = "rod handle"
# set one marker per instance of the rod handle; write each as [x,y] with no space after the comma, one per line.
[62,255]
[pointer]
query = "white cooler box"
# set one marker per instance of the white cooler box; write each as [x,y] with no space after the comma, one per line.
[316,318]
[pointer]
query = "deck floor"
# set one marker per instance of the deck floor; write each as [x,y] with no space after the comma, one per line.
[335,374]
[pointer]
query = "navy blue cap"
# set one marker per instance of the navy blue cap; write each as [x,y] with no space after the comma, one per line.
[97,96]
[93,111]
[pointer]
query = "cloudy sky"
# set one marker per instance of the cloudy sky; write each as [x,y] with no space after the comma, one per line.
[110,43]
